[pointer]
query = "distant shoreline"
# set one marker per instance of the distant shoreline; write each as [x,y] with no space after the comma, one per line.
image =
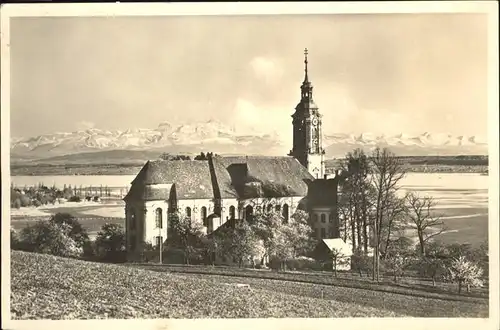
[133,169]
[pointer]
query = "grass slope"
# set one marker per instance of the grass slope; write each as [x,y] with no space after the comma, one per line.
[410,305]
[48,287]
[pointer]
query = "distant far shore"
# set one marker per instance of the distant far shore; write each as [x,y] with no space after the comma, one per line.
[431,164]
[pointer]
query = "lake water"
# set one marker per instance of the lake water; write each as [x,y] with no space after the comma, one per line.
[461,198]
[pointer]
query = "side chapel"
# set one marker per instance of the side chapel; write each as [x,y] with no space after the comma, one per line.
[220,189]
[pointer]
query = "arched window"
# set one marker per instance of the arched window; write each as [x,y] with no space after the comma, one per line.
[249,213]
[330,217]
[285,212]
[269,208]
[315,217]
[232,211]
[323,218]
[132,219]
[159,218]
[204,215]
[188,212]
[278,208]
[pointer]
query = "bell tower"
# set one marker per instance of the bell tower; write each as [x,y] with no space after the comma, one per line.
[307,132]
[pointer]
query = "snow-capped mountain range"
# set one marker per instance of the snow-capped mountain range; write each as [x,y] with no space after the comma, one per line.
[220,138]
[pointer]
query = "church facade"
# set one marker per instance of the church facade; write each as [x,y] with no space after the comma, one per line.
[220,189]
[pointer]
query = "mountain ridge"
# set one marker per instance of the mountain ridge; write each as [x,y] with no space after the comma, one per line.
[215,136]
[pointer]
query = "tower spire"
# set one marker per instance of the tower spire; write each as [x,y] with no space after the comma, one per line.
[306,77]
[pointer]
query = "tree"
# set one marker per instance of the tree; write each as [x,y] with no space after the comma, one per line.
[186,235]
[278,238]
[357,198]
[167,156]
[360,262]
[245,243]
[386,173]
[465,272]
[302,238]
[212,248]
[419,211]
[399,256]
[201,156]
[76,232]
[433,267]
[110,243]
[394,222]
[337,257]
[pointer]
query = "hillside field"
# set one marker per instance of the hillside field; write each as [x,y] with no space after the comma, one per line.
[48,287]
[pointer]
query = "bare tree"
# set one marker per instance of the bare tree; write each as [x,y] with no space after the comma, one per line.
[420,214]
[357,198]
[386,173]
[338,259]
[394,221]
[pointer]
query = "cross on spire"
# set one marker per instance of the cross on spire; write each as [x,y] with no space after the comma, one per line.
[306,78]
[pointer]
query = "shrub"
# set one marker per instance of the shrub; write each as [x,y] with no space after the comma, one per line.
[25,201]
[110,243]
[17,203]
[360,262]
[271,189]
[303,263]
[49,237]
[432,267]
[14,239]
[75,199]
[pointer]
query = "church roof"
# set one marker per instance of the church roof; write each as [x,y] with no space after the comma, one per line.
[216,178]
[191,178]
[286,171]
[223,179]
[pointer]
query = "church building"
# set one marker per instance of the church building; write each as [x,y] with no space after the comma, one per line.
[220,188]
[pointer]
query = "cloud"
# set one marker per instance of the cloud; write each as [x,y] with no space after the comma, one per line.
[250,118]
[83,125]
[266,69]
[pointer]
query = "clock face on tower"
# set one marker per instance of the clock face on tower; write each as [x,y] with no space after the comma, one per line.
[315,122]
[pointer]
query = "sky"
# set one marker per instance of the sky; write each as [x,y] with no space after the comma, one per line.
[377,73]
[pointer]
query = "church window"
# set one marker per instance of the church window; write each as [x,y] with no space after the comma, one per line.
[249,213]
[285,212]
[188,212]
[232,212]
[204,214]
[159,218]
[330,217]
[323,218]
[315,218]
